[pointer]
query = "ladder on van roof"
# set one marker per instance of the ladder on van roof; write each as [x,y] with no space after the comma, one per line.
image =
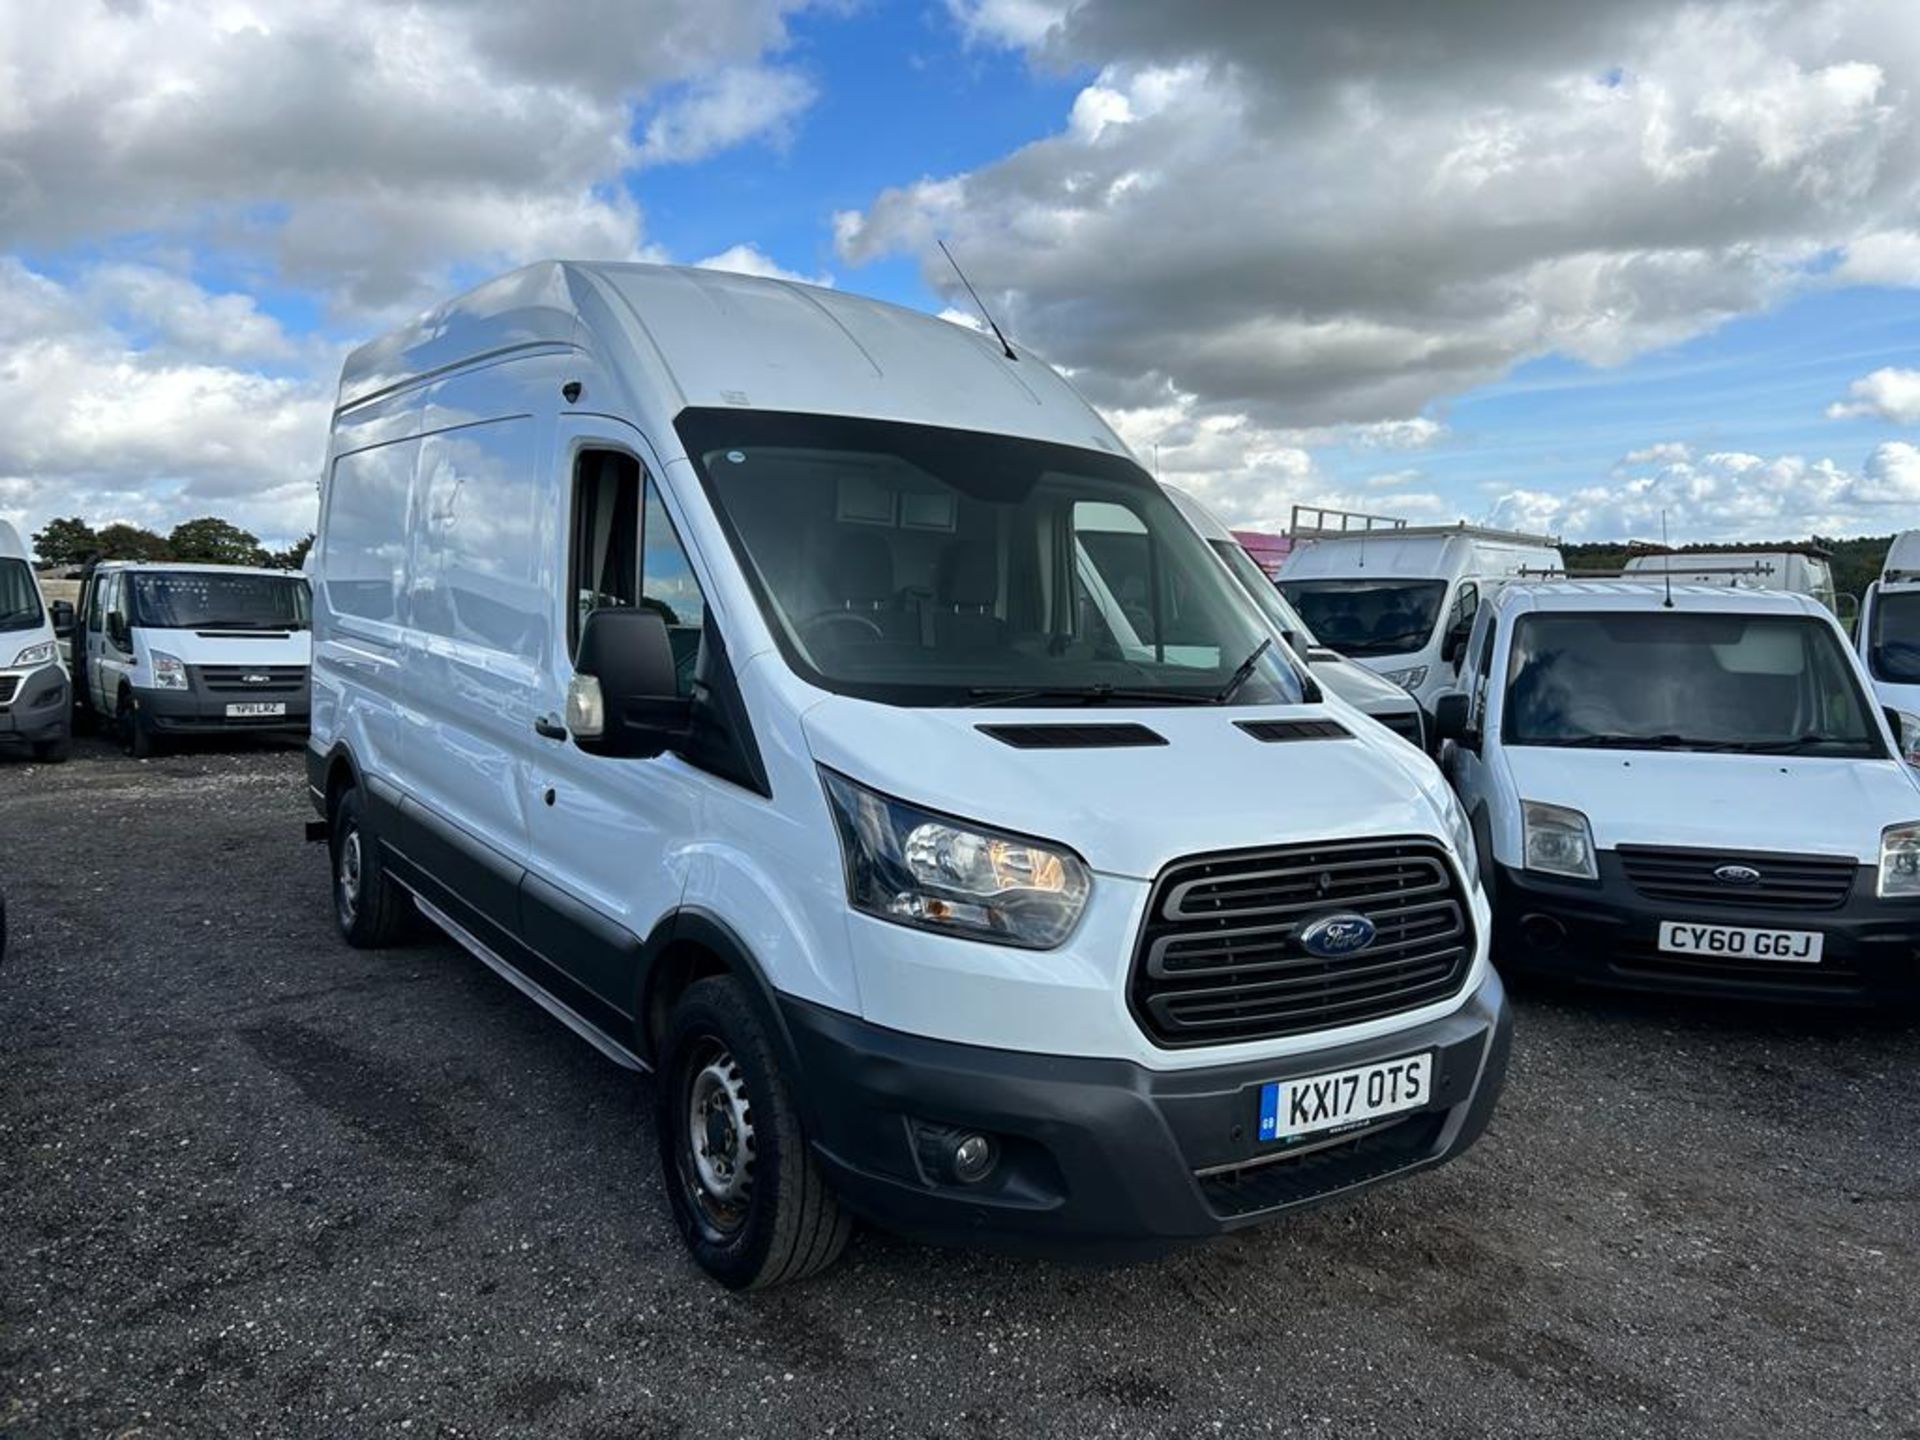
[1357,524]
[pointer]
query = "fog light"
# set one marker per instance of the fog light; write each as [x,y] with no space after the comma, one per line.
[973,1159]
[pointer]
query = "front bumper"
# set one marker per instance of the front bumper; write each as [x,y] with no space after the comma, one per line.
[39,706]
[1607,933]
[1104,1158]
[200,711]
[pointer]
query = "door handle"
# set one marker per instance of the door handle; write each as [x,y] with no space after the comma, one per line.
[551,728]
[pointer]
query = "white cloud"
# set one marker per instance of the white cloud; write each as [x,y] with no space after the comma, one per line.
[1664,452]
[1886,394]
[737,104]
[1887,257]
[750,259]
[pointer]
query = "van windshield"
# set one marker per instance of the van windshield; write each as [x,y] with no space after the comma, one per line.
[1265,593]
[1893,648]
[19,597]
[1369,617]
[1660,680]
[208,600]
[917,565]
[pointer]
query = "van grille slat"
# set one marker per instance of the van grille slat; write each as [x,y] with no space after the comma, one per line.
[1219,958]
[252,680]
[1787,882]
[9,687]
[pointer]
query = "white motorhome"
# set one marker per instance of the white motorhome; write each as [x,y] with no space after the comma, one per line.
[35,710]
[1888,632]
[1399,598]
[1690,792]
[1794,572]
[1367,692]
[801,697]
[164,649]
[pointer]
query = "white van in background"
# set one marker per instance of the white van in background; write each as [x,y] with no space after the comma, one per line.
[164,649]
[1367,692]
[799,696]
[1401,598]
[1692,792]
[1888,633]
[35,711]
[1807,571]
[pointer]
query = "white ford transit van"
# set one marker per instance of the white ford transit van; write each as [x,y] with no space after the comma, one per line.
[35,711]
[1400,598]
[1806,571]
[1367,692]
[166,649]
[797,696]
[1698,795]
[1888,634]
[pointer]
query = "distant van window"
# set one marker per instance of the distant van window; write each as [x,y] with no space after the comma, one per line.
[476,564]
[604,554]
[668,586]
[366,530]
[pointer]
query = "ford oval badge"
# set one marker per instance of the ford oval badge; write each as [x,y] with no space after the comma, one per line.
[1342,934]
[1737,874]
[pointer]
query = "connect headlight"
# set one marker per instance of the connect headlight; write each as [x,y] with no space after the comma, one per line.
[168,672]
[35,654]
[1557,841]
[1899,862]
[1407,679]
[1461,829]
[914,867]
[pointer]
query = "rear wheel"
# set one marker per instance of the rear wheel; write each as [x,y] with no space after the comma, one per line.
[749,1200]
[370,909]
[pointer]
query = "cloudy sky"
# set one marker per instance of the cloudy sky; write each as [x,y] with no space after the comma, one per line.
[1563,266]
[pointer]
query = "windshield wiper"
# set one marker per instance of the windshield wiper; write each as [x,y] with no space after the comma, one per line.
[1643,742]
[1799,745]
[1243,674]
[1101,694]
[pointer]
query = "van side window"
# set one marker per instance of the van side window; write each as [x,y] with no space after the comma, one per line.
[603,559]
[1479,667]
[667,585]
[96,608]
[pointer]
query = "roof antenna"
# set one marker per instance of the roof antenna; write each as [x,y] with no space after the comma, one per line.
[984,313]
[1666,561]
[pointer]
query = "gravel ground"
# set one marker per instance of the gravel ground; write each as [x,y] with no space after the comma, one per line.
[253,1182]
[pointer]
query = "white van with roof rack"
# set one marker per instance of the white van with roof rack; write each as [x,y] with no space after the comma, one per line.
[1803,570]
[801,697]
[1400,598]
[1367,692]
[1689,791]
[35,711]
[1888,632]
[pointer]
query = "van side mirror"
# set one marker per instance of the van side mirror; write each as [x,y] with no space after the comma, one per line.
[119,631]
[60,612]
[1906,734]
[1455,642]
[624,699]
[1451,720]
[1291,639]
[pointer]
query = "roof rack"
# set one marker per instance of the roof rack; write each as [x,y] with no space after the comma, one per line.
[1356,523]
[1796,547]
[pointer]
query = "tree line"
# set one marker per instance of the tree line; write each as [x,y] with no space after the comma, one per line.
[208,540]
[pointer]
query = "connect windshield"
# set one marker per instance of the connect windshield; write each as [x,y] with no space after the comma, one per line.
[1894,646]
[207,600]
[1265,594]
[1369,617]
[19,597]
[924,566]
[1661,680]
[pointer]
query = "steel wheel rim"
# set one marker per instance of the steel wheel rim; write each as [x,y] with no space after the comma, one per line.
[717,1148]
[348,874]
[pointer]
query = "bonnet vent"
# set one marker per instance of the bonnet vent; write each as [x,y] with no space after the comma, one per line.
[1273,731]
[1071,737]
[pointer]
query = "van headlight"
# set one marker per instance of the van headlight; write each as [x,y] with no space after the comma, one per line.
[934,872]
[1408,680]
[1557,841]
[35,654]
[1461,829]
[168,672]
[1899,862]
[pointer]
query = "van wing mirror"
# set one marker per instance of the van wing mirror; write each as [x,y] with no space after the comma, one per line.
[60,612]
[1906,734]
[624,699]
[1451,720]
[120,632]
[1455,642]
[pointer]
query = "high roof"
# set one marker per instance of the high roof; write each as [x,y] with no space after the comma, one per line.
[712,338]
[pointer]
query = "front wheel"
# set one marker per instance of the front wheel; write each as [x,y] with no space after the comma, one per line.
[749,1200]
[136,731]
[53,752]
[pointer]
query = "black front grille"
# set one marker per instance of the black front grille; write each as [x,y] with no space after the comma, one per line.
[1642,960]
[1273,732]
[1786,882]
[1220,960]
[1269,1184]
[9,687]
[252,679]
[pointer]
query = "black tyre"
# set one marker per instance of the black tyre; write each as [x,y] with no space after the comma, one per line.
[371,911]
[53,752]
[745,1191]
[136,731]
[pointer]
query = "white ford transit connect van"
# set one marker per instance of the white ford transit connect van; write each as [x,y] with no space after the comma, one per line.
[34,709]
[1367,692]
[797,696]
[165,649]
[1697,796]
[1888,634]
[1400,598]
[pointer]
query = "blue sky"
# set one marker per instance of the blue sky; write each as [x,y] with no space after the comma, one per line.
[1570,271]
